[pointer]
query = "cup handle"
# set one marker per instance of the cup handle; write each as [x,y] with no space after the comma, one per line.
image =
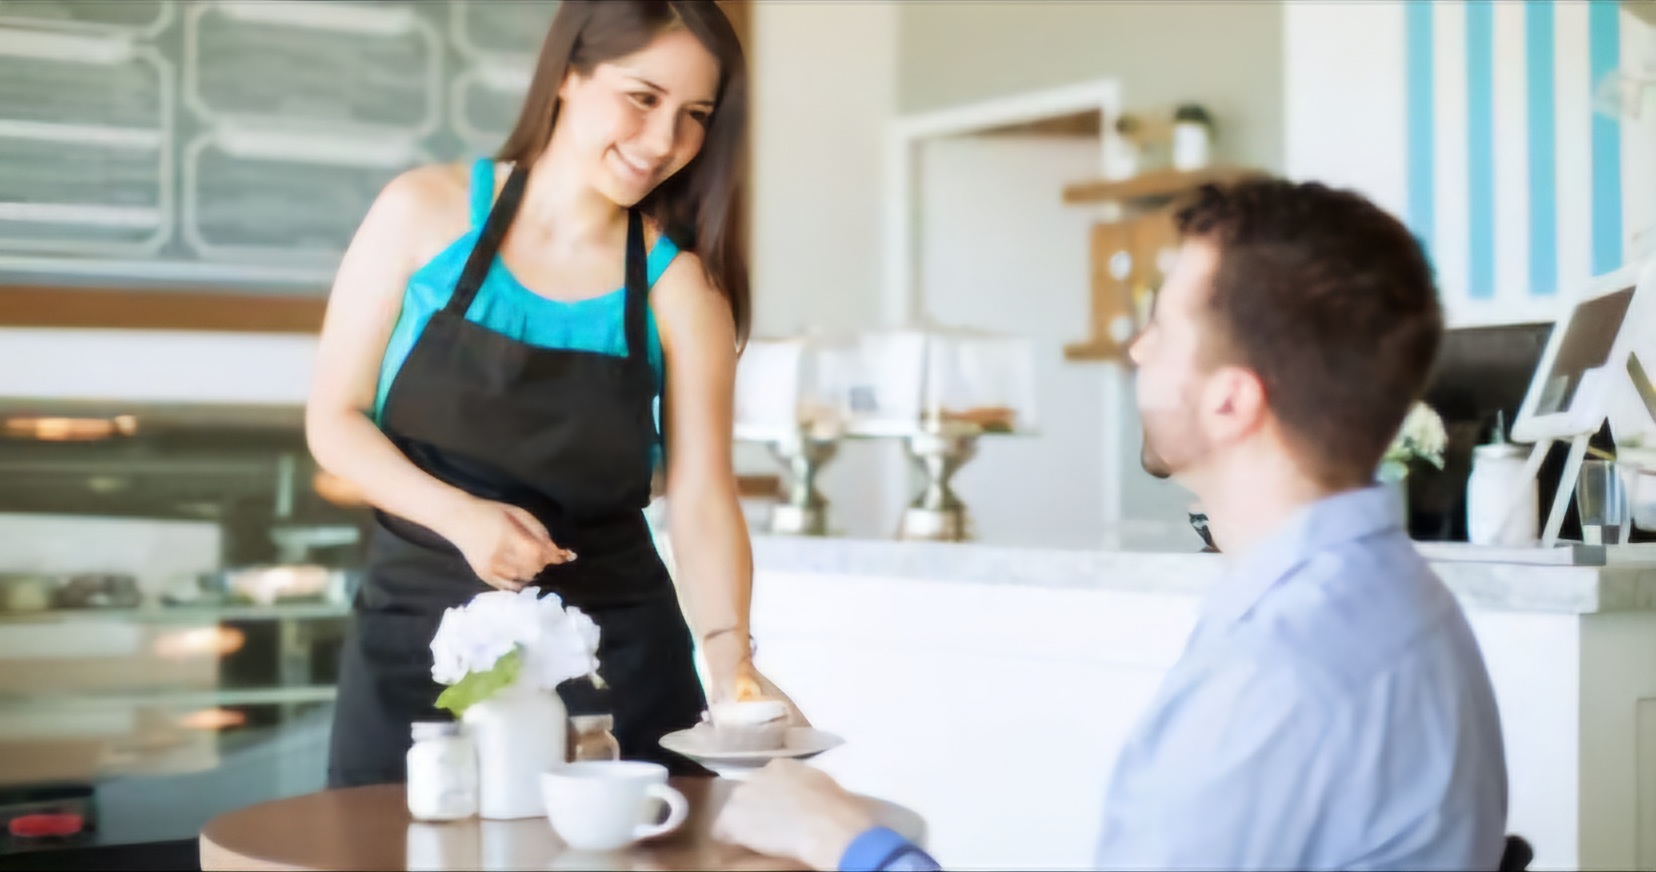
[677,810]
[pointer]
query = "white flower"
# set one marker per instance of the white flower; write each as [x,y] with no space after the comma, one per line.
[567,648]
[1424,428]
[466,641]
[512,616]
[1422,435]
[556,644]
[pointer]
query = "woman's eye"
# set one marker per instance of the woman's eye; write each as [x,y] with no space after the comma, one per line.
[702,117]
[644,100]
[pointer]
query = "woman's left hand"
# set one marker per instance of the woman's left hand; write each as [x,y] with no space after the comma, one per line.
[751,684]
[738,679]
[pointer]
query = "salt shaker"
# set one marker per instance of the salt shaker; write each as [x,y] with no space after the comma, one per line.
[442,773]
[1496,483]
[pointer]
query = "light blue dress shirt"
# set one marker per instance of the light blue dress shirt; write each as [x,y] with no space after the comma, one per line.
[1331,711]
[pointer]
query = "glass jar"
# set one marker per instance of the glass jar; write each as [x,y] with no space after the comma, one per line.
[442,773]
[590,738]
[1497,482]
[1192,137]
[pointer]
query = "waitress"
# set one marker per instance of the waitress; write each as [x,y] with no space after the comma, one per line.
[509,348]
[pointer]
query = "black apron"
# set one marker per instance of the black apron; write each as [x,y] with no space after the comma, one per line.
[565,434]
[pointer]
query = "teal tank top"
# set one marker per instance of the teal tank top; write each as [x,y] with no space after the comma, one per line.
[505,306]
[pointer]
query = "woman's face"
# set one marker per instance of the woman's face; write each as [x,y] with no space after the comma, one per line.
[639,119]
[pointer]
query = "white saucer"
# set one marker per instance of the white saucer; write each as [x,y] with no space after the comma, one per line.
[802,743]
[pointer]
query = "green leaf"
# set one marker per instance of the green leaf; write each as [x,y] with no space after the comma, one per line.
[479,686]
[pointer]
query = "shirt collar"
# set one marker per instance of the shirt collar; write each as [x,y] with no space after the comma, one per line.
[1318,526]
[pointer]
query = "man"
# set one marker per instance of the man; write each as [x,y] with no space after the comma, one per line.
[1331,709]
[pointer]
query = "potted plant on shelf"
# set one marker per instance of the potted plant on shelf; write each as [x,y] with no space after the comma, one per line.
[1422,437]
[503,655]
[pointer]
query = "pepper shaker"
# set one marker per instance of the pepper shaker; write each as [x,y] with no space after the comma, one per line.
[590,738]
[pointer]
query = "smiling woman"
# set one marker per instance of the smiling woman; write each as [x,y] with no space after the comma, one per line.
[644,116]
[492,378]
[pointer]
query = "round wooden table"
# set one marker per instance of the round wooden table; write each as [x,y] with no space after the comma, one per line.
[369,828]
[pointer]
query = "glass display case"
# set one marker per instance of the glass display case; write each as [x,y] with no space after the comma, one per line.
[940,390]
[792,394]
[173,596]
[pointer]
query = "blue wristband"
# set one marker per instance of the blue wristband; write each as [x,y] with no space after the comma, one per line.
[876,849]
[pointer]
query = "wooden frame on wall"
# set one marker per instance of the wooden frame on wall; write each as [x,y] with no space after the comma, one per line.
[133,309]
[222,309]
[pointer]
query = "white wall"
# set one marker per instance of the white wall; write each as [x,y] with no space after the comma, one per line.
[824,85]
[1000,252]
[1224,54]
[1349,117]
[824,88]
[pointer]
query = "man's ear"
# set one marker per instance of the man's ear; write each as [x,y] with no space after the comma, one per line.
[1233,404]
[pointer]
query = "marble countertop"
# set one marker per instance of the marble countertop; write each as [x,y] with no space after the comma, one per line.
[1480,584]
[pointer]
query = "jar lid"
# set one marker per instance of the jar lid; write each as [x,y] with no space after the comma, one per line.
[586,723]
[1499,449]
[435,729]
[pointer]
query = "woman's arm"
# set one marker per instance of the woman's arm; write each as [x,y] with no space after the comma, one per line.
[362,310]
[711,549]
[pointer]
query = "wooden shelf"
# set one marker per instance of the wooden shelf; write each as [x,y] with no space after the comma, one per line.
[1095,350]
[1154,185]
[137,309]
[1081,124]
[761,487]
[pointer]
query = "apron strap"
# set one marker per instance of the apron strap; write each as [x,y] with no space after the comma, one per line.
[488,243]
[638,293]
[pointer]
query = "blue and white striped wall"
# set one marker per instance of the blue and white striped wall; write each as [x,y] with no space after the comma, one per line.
[1474,122]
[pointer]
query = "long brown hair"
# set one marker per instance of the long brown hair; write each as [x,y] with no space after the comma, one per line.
[698,207]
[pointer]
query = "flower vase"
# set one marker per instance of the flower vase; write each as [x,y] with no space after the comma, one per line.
[519,732]
[1394,476]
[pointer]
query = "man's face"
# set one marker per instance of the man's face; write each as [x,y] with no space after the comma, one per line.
[1171,376]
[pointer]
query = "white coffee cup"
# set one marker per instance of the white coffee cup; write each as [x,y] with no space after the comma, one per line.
[602,805]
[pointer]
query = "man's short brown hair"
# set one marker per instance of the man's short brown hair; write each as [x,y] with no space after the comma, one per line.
[1331,302]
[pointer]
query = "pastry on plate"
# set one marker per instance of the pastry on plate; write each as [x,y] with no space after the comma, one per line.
[749,725]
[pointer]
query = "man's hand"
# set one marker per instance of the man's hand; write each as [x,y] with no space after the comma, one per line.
[789,809]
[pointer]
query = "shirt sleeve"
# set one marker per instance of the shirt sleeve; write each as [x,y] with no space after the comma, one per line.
[1228,774]
[884,850]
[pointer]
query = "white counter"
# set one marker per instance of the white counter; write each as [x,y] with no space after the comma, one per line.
[991,688]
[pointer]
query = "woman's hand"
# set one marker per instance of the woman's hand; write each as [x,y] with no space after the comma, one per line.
[735,679]
[505,545]
[751,684]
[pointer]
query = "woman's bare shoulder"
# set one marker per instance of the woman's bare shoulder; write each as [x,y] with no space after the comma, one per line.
[428,207]
[429,200]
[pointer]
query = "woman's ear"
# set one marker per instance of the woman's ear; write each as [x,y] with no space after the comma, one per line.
[571,81]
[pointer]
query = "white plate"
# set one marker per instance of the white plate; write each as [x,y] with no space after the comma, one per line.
[802,743]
